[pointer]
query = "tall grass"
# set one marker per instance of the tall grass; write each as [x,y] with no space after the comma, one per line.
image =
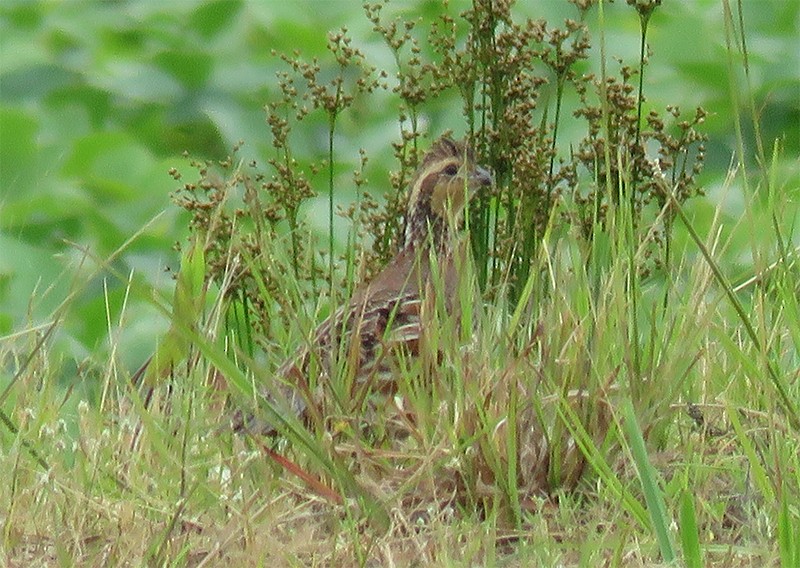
[587,405]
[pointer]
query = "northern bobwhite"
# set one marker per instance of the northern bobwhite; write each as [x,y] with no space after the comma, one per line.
[386,313]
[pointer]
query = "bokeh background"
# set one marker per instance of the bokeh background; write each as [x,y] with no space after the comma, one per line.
[98,100]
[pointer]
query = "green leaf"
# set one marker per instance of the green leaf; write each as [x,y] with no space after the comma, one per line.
[192,68]
[18,160]
[213,17]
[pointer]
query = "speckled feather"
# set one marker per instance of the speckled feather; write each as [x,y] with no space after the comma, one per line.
[387,313]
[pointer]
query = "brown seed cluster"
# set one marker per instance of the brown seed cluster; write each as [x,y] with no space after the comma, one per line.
[518,82]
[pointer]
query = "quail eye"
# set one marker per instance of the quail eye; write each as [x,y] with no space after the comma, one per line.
[451,170]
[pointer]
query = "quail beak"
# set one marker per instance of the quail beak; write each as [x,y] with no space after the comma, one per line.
[465,189]
[480,178]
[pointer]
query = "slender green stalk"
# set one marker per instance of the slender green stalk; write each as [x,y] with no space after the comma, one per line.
[644,20]
[734,90]
[559,97]
[332,254]
[751,99]
[604,99]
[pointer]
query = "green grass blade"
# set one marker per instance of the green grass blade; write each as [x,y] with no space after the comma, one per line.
[757,472]
[788,529]
[690,538]
[647,476]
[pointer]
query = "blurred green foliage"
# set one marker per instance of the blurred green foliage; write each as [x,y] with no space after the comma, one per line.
[98,100]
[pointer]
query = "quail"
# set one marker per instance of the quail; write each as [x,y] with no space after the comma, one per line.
[386,315]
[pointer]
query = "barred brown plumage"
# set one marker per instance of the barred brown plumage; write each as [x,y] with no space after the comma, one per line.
[386,314]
